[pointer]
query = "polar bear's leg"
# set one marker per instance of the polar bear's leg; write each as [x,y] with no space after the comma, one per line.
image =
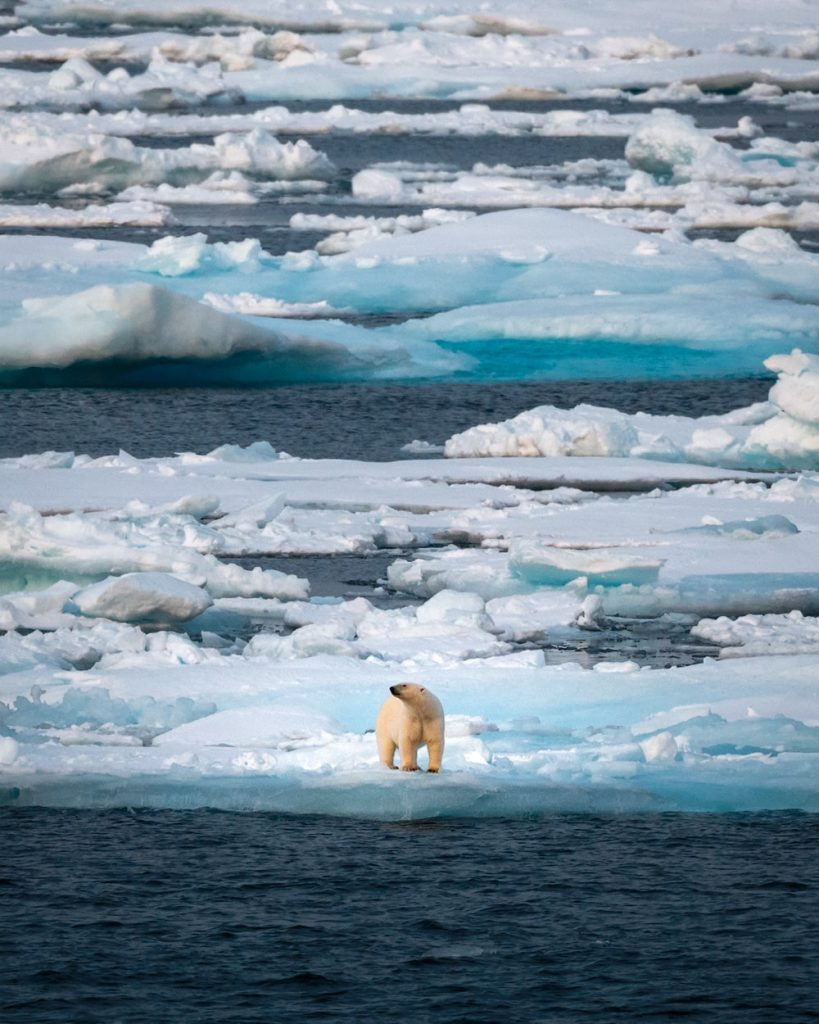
[436,753]
[408,751]
[386,751]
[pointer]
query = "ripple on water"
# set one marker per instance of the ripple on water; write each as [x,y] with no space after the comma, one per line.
[259,917]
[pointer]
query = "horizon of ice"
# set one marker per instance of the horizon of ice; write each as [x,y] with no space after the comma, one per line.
[360,51]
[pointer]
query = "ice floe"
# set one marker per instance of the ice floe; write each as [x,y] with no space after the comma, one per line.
[779,434]
[96,712]
[540,739]
[36,160]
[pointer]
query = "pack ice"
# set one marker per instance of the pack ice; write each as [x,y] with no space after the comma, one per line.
[417,49]
[619,612]
[518,290]
[140,667]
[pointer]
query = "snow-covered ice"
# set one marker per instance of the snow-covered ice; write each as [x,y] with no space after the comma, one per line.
[97,712]
[782,433]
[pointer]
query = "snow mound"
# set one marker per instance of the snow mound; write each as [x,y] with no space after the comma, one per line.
[751,635]
[670,145]
[791,437]
[145,596]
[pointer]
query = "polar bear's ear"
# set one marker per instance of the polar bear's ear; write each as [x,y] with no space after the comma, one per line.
[423,689]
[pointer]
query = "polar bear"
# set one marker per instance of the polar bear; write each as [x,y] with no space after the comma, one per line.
[411,718]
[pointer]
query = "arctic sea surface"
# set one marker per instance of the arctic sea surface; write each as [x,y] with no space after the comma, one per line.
[367,421]
[207,917]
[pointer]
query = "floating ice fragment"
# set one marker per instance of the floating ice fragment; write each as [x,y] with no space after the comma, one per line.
[378,187]
[174,256]
[796,391]
[659,748]
[8,750]
[257,451]
[669,144]
[141,597]
[453,606]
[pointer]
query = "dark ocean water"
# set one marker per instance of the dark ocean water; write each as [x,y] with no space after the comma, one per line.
[201,917]
[368,421]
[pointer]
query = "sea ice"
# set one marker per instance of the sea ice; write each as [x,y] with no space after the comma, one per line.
[144,596]
[782,433]
[519,551]
[523,283]
[37,160]
[751,635]
[106,701]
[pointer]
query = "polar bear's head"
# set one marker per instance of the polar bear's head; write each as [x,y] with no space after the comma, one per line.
[409,692]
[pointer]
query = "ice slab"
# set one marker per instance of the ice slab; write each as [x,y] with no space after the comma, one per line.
[609,302]
[132,214]
[145,596]
[538,740]
[34,159]
[751,635]
[61,482]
